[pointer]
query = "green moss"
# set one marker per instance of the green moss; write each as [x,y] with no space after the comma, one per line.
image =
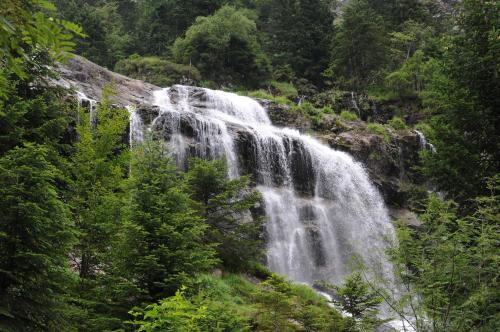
[348,116]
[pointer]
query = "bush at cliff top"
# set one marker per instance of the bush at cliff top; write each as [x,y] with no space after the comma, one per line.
[157,71]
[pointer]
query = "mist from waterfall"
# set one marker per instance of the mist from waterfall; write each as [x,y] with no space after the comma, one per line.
[322,210]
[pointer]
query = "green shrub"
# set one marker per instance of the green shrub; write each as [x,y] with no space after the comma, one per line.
[285,89]
[181,314]
[260,94]
[282,100]
[425,128]
[156,70]
[348,116]
[397,123]
[327,110]
[332,97]
[307,108]
[233,303]
[208,84]
[382,94]
[263,94]
[380,130]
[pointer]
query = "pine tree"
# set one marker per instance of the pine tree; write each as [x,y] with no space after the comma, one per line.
[162,243]
[449,266]
[35,238]
[360,47]
[226,206]
[464,98]
[297,34]
[99,166]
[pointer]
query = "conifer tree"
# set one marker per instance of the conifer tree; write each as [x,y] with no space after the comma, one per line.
[99,166]
[225,204]
[360,47]
[163,241]
[35,238]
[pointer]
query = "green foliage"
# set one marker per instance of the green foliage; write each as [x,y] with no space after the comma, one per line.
[286,307]
[157,70]
[357,298]
[397,123]
[225,205]
[284,89]
[463,94]
[262,94]
[105,24]
[348,116]
[162,243]
[296,35]
[360,48]
[410,77]
[98,165]
[306,108]
[28,28]
[160,22]
[35,237]
[173,314]
[232,303]
[224,48]
[33,114]
[452,264]
[380,130]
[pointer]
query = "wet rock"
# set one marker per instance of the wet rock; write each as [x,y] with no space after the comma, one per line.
[317,249]
[148,113]
[247,152]
[282,116]
[303,175]
[390,162]
[405,216]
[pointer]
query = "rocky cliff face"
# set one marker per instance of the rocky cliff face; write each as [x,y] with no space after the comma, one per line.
[90,79]
[389,159]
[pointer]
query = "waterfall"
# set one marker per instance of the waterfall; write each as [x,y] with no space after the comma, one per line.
[424,144]
[91,104]
[355,104]
[322,210]
[136,131]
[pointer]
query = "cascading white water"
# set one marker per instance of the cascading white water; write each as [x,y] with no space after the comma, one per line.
[424,144]
[321,207]
[91,104]
[136,132]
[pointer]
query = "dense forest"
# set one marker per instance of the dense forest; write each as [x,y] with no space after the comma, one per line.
[97,235]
